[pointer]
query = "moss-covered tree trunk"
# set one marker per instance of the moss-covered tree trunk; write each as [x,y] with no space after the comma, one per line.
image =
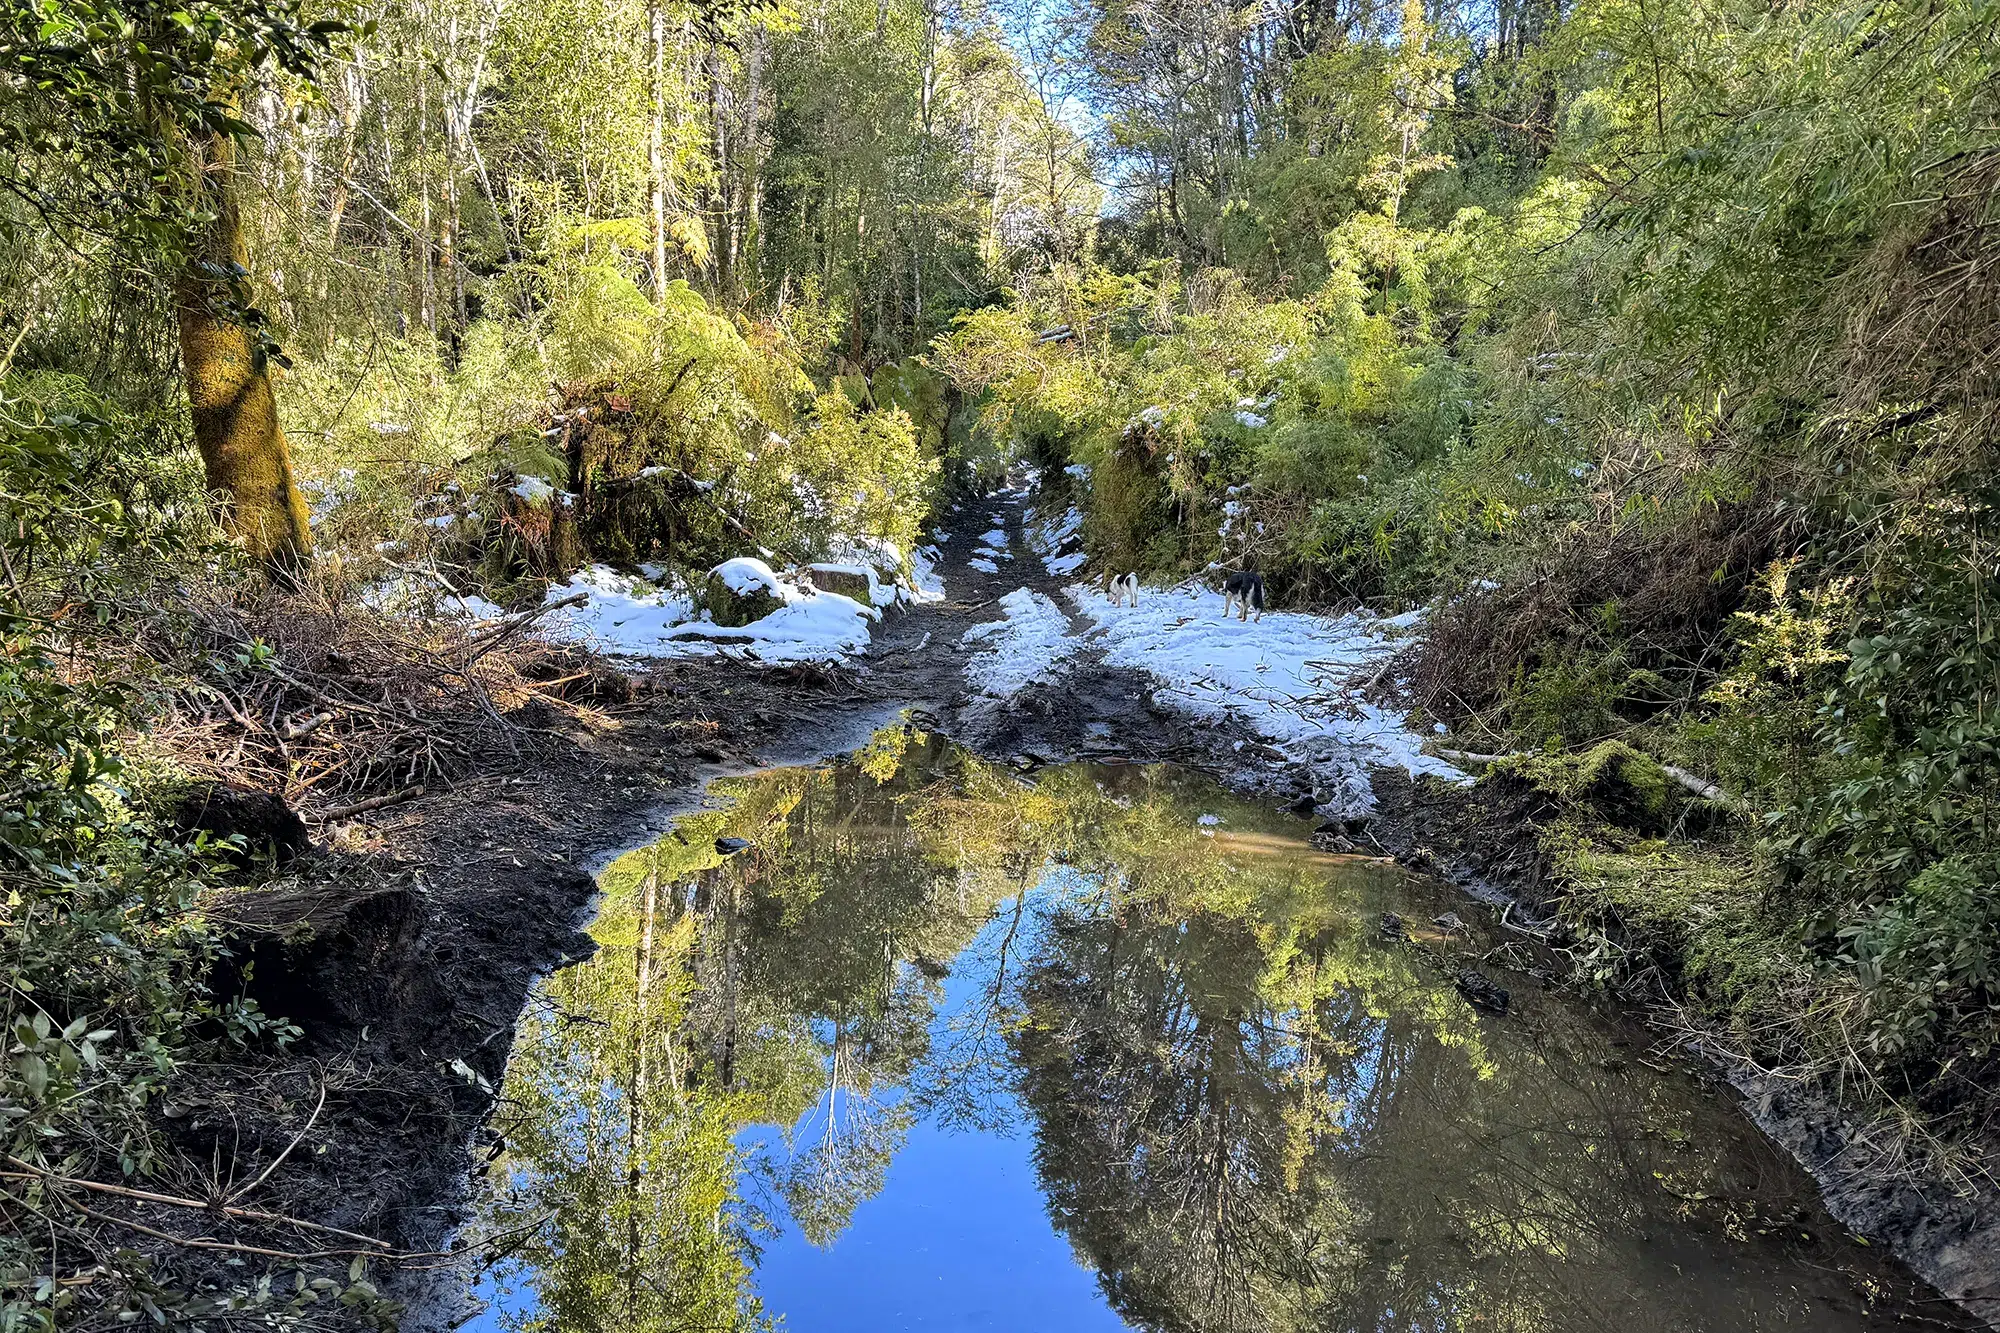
[236,428]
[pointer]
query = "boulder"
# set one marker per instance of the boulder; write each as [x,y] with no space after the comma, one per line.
[743,591]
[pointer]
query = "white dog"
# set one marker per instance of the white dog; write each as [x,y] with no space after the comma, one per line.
[1121,586]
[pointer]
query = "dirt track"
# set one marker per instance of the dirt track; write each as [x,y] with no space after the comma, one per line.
[411,949]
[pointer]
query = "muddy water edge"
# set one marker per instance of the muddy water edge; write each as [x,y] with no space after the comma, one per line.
[946,1044]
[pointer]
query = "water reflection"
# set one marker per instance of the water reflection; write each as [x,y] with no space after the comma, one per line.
[793,1083]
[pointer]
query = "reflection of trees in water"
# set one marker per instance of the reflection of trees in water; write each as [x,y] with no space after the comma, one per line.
[773,987]
[1247,1113]
[1251,1115]
[1156,1082]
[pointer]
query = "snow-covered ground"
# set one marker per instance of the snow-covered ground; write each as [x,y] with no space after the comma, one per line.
[1032,645]
[1052,538]
[1293,679]
[630,616]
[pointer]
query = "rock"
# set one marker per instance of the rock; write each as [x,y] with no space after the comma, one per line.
[270,829]
[1394,928]
[1480,991]
[1450,923]
[1337,827]
[708,754]
[1338,843]
[731,846]
[845,581]
[1420,860]
[1304,805]
[742,591]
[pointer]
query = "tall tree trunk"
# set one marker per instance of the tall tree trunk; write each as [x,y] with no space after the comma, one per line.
[656,151]
[243,450]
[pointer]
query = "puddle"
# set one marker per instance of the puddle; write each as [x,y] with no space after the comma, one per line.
[949,1049]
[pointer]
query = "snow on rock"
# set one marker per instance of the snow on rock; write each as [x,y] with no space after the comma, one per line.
[1285,676]
[535,490]
[1032,645]
[745,576]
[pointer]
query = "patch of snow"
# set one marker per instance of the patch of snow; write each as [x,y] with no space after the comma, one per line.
[326,496]
[1294,679]
[1062,566]
[475,607]
[535,490]
[1031,645]
[1250,420]
[996,538]
[926,583]
[1209,820]
[982,565]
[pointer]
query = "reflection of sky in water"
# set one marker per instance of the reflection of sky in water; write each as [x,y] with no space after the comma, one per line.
[1194,1065]
[916,1256]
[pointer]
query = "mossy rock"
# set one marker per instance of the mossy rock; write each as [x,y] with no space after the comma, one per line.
[1615,782]
[846,582]
[1626,787]
[733,609]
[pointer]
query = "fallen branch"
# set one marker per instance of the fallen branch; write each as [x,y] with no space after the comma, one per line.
[340,812]
[277,1161]
[300,731]
[1700,786]
[1472,757]
[1694,782]
[175,1201]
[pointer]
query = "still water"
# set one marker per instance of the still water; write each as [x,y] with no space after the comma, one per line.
[945,1048]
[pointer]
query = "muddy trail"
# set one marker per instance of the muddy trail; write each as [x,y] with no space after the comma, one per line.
[407,954]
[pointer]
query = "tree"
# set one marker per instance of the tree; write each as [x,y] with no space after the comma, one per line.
[226,359]
[123,131]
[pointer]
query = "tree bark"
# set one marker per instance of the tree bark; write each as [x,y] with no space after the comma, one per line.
[243,450]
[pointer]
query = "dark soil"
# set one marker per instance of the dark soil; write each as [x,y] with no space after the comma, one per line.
[407,949]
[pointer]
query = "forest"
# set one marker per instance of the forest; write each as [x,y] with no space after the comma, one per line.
[1649,349]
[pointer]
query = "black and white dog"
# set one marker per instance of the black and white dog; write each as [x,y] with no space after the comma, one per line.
[1120,586]
[1243,592]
